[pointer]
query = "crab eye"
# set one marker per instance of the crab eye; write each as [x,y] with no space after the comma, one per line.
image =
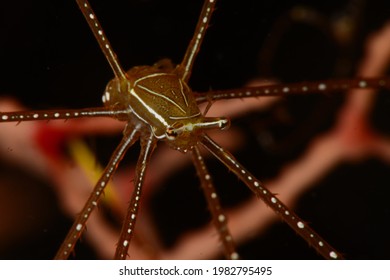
[174,130]
[171,133]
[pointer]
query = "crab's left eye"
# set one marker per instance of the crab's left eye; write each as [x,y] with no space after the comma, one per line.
[171,133]
[174,130]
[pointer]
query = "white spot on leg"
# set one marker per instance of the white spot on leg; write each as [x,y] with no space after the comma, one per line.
[273,199]
[234,256]
[221,218]
[4,117]
[300,225]
[333,255]
[362,84]
[321,86]
[125,243]
[79,227]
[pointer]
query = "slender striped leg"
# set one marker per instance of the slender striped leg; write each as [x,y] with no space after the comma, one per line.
[147,147]
[295,88]
[219,219]
[185,67]
[321,246]
[80,222]
[60,114]
[104,44]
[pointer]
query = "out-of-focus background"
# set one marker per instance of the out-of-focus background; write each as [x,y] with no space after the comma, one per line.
[49,59]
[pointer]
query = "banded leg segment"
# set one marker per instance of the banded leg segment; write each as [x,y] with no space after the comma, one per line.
[60,114]
[219,219]
[300,227]
[185,67]
[80,222]
[326,86]
[104,44]
[147,147]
